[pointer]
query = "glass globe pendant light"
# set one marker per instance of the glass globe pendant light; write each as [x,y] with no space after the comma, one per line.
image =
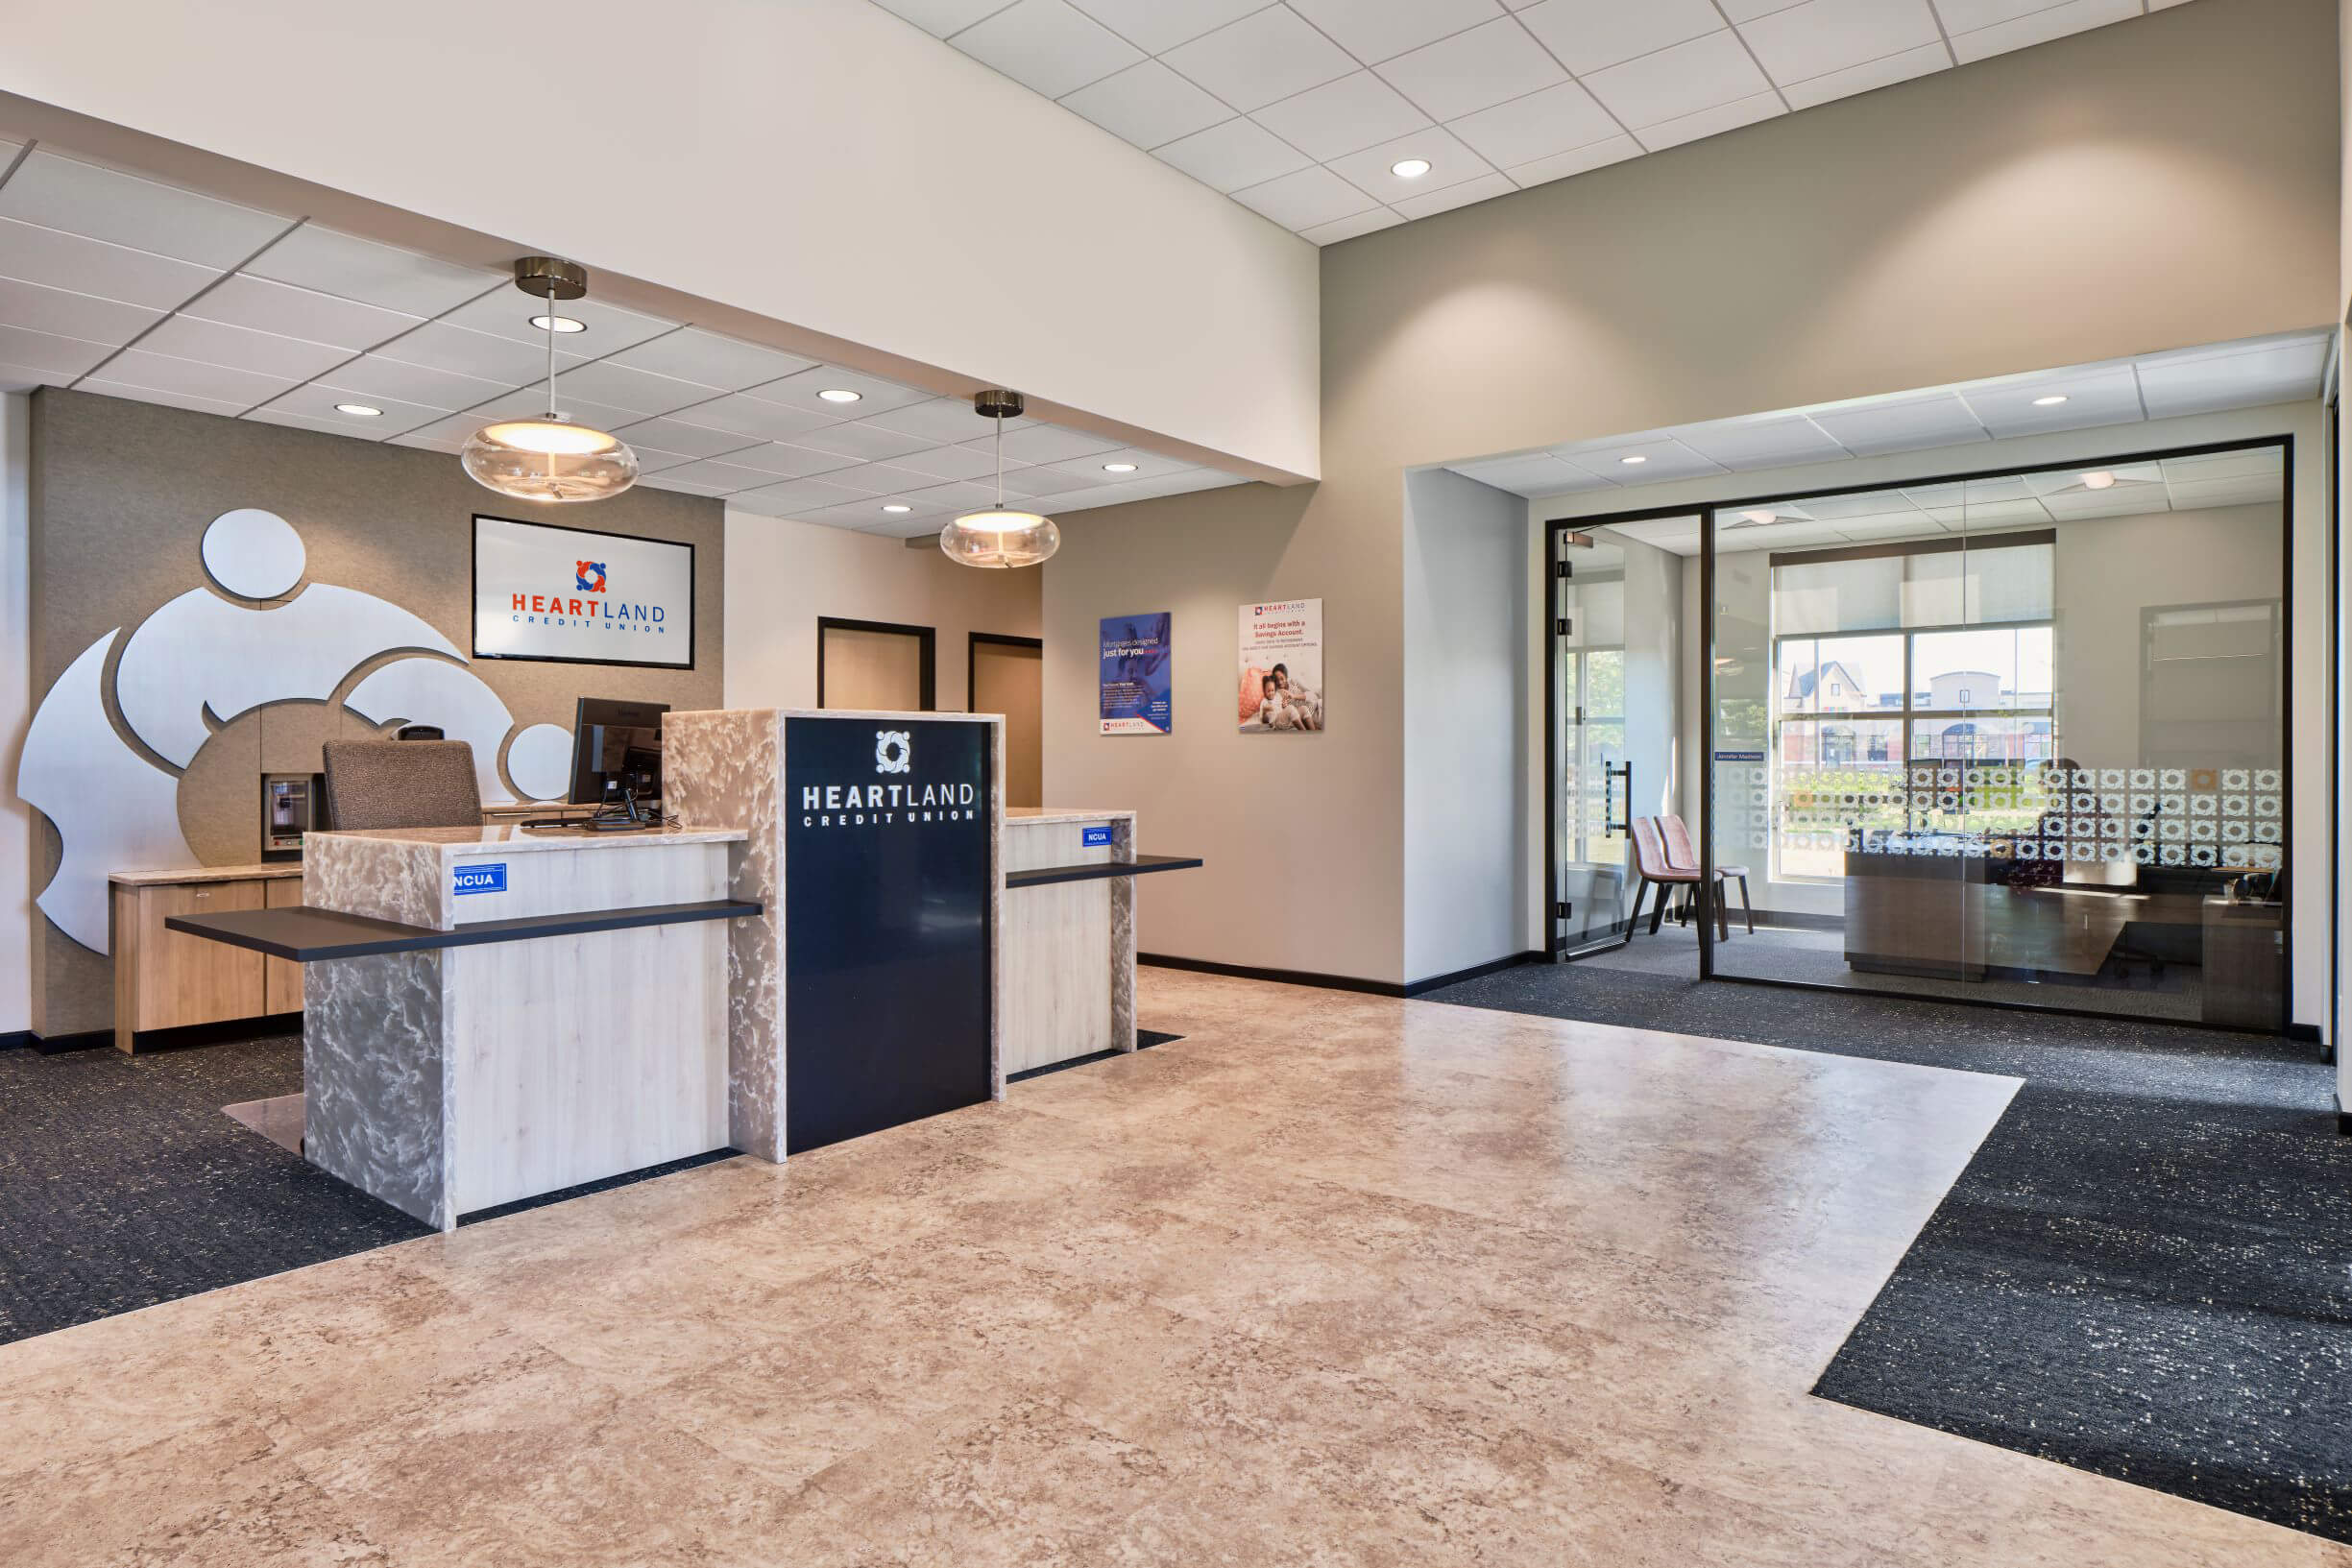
[999,538]
[555,458]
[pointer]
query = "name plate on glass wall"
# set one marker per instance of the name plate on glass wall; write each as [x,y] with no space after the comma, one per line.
[569,596]
[886,913]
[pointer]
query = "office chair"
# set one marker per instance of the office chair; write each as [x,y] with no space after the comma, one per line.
[401,783]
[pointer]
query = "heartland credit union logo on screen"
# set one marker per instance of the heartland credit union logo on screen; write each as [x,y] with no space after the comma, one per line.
[587,606]
[876,804]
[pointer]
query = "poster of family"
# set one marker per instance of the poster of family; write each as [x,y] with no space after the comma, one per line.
[1138,674]
[1282,668]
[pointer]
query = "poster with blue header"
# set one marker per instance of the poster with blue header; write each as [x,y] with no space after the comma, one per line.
[1138,674]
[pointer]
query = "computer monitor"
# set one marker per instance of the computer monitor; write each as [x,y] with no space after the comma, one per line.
[619,744]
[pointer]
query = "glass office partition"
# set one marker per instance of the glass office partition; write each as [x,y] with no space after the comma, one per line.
[2018,739]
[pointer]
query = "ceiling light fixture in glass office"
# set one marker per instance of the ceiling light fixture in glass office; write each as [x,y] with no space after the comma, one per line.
[555,458]
[999,537]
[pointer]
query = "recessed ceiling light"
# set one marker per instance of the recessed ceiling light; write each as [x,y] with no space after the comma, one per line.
[558,323]
[1761,516]
[360,411]
[1635,458]
[2101,480]
[1118,467]
[1410,168]
[896,507]
[2051,401]
[840,395]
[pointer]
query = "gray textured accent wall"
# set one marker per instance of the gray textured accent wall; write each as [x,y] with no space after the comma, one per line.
[121,494]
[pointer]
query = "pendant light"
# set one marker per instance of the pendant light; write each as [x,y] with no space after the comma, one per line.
[555,458]
[999,538]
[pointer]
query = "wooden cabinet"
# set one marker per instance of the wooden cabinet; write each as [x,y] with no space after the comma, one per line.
[165,979]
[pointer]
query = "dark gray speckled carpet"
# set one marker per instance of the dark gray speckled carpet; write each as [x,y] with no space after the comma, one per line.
[2146,1269]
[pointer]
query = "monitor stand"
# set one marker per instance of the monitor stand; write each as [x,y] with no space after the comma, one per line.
[620,813]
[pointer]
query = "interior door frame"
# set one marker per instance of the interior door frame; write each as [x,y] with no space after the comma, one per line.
[927,638]
[971,657]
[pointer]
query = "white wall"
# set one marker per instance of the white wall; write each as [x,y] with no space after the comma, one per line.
[782,576]
[820,163]
[2309,607]
[1466,688]
[17,820]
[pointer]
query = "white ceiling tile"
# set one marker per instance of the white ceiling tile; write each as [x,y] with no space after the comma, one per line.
[240,348]
[1045,444]
[752,417]
[1449,164]
[665,480]
[1748,11]
[709,360]
[1033,484]
[155,395]
[1590,34]
[1082,500]
[507,312]
[1346,229]
[957,495]
[530,403]
[242,300]
[1541,125]
[2253,463]
[1342,116]
[1049,46]
[375,377]
[1662,458]
[8,151]
[351,268]
[2279,372]
[2194,492]
[2041,27]
[620,387]
[320,426]
[1227,157]
[1309,196]
[870,442]
[1452,197]
[875,396]
[1709,122]
[50,354]
[457,427]
[138,367]
[941,421]
[2075,505]
[316,404]
[448,445]
[719,475]
[1378,29]
[1760,443]
[782,460]
[680,436]
[1147,104]
[2009,407]
[1538,474]
[796,494]
[122,210]
[1705,73]
[1824,36]
[1473,70]
[1864,77]
[65,313]
[949,462]
[441,346]
[1147,466]
[113,272]
[1578,160]
[1269,54]
[1911,425]
[1971,15]
[941,18]
[1155,26]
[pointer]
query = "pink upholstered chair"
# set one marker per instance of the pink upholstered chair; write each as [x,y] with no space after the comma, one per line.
[1664,857]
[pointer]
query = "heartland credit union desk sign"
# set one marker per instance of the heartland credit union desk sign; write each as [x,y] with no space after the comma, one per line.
[567,595]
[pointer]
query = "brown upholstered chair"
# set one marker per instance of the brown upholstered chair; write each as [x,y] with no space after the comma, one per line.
[1664,857]
[401,783]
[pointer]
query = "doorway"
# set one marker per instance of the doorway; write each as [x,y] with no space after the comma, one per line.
[1007,675]
[876,667]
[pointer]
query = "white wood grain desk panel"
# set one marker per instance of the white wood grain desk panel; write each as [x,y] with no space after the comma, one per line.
[1069,948]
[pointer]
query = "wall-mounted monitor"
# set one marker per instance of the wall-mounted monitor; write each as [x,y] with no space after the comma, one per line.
[573,596]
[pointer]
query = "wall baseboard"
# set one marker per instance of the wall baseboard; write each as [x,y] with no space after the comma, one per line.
[2304,1031]
[2343,1118]
[15,1039]
[53,1044]
[1335,982]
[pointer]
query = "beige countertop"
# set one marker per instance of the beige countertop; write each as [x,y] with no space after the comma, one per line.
[207,874]
[1016,815]
[511,838]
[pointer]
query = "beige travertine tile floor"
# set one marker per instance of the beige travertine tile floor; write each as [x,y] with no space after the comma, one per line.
[1333,1280]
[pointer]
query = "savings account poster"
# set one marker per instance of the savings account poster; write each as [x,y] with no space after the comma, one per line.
[1137,675]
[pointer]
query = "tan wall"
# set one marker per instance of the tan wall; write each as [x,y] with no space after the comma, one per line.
[782,576]
[122,493]
[2162,182]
